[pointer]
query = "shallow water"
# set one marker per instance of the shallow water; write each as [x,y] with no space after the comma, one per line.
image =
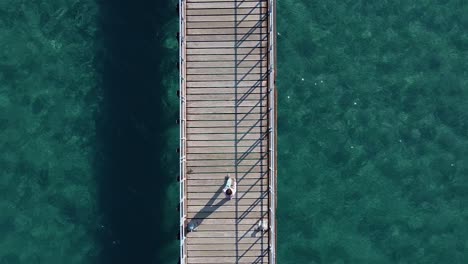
[47,105]
[373,131]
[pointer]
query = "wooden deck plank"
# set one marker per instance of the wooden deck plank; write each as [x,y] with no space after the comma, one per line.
[225,163]
[232,1]
[226,240]
[221,176]
[223,143]
[227,44]
[227,70]
[227,156]
[245,103]
[220,227]
[230,124]
[227,253]
[222,181]
[217,190]
[227,57]
[249,195]
[227,208]
[229,17]
[202,226]
[226,11]
[238,117]
[228,117]
[225,136]
[194,150]
[227,169]
[216,172]
[239,51]
[233,138]
[228,64]
[205,1]
[229,246]
[220,260]
[239,32]
[222,215]
[244,175]
[240,172]
[231,24]
[231,221]
[227,77]
[233,117]
[240,131]
[231,5]
[240,90]
[226,260]
[225,123]
[224,234]
[227,84]
[201,94]
[230,94]
[226,90]
[240,111]
[244,162]
[211,163]
[260,148]
[259,185]
[258,56]
[229,31]
[242,201]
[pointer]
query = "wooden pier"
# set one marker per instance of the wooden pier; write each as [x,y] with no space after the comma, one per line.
[227,128]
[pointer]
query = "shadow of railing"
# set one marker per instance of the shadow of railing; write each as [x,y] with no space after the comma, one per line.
[262,135]
[262,37]
[248,151]
[243,156]
[239,43]
[250,70]
[256,6]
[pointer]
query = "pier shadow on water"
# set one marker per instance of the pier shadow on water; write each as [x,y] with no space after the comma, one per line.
[133,180]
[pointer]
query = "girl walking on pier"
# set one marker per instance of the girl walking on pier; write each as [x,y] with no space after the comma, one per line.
[230,187]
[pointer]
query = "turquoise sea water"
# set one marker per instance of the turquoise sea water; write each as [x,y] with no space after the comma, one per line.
[373,131]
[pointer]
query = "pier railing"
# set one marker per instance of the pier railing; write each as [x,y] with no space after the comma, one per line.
[271,130]
[272,127]
[182,121]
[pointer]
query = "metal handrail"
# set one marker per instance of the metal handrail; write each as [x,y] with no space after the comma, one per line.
[182,143]
[272,126]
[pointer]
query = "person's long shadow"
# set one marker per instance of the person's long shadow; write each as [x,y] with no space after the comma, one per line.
[209,208]
[133,179]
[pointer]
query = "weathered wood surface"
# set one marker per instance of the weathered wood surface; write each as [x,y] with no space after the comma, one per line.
[226,95]
[227,4]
